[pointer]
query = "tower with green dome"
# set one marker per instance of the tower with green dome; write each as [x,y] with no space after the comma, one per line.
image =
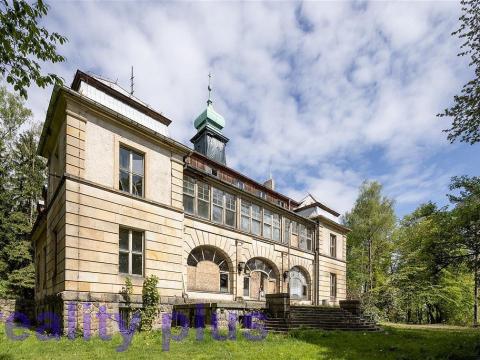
[209,139]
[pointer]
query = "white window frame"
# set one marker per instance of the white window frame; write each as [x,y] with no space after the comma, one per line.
[130,171]
[333,285]
[131,252]
[333,245]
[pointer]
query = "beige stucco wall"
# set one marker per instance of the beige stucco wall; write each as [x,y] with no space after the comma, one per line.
[330,265]
[103,139]
[324,234]
[93,218]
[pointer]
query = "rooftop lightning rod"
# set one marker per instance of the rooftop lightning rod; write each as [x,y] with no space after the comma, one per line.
[131,82]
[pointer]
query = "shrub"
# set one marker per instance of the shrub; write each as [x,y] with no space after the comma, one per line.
[150,299]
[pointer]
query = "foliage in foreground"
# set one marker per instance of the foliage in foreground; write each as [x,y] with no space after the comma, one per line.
[24,44]
[392,344]
[423,268]
[22,176]
[465,110]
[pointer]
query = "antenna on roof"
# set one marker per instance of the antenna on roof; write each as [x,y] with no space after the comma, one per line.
[131,82]
[209,101]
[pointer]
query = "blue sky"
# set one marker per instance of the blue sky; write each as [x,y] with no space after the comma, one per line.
[322,94]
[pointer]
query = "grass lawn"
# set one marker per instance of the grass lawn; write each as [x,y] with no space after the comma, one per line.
[393,343]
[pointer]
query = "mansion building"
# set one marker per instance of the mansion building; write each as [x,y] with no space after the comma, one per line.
[126,200]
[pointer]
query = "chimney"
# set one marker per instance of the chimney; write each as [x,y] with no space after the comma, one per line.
[269,184]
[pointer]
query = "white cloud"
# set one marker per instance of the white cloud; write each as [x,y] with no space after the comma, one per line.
[311,105]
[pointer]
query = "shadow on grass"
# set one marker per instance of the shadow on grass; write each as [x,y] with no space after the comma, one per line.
[396,344]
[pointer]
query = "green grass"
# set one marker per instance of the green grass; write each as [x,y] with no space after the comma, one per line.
[394,343]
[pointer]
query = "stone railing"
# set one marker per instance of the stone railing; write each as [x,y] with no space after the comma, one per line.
[278,305]
[352,306]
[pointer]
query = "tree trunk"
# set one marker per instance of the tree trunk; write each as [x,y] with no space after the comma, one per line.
[475,292]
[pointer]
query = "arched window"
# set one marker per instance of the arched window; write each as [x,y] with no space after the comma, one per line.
[260,279]
[207,270]
[298,283]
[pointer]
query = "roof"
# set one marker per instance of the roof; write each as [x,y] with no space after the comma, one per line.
[310,202]
[117,92]
[209,118]
[244,178]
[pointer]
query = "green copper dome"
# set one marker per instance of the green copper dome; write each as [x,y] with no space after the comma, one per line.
[209,118]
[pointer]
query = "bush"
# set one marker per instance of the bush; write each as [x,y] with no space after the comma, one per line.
[150,299]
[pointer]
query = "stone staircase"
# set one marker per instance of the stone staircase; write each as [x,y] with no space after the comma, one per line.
[319,317]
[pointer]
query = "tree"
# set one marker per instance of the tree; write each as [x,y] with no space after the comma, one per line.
[465,229]
[426,290]
[24,44]
[466,109]
[22,175]
[369,245]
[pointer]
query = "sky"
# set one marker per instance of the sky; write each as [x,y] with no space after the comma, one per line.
[322,95]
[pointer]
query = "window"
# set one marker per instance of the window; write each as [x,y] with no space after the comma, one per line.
[131,172]
[302,236]
[246,286]
[294,236]
[224,282]
[217,210]
[256,219]
[230,209]
[130,252]
[333,245]
[286,232]
[309,238]
[298,283]
[267,224]
[333,285]
[245,216]
[276,227]
[261,194]
[189,194]
[203,200]
[205,255]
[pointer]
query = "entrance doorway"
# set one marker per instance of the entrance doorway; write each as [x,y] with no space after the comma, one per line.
[260,279]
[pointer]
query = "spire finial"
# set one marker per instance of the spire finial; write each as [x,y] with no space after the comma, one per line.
[209,101]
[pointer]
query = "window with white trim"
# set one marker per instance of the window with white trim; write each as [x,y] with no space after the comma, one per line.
[333,245]
[245,215]
[286,232]
[267,223]
[256,220]
[203,200]
[130,257]
[302,230]
[189,194]
[333,285]
[131,171]
[276,227]
[230,210]
[217,209]
[310,234]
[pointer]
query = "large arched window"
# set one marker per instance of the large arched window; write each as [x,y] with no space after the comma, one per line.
[260,279]
[208,270]
[298,283]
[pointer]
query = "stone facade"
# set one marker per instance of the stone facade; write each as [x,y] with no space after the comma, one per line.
[76,239]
